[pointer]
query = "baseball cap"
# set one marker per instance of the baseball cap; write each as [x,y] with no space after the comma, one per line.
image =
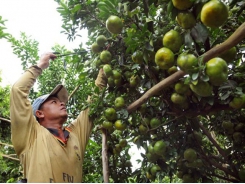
[59,91]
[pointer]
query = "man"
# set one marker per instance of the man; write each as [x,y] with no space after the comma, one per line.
[47,151]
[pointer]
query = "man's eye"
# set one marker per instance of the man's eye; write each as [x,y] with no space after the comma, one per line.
[53,101]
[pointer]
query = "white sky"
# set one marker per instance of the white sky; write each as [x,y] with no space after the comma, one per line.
[40,20]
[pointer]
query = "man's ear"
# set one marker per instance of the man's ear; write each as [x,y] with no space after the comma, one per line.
[39,114]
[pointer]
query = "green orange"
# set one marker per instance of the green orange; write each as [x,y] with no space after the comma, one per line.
[164,58]
[217,71]
[214,13]
[172,40]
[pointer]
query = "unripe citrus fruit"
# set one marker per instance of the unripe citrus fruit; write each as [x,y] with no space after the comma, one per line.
[142,129]
[107,124]
[172,70]
[229,55]
[172,40]
[123,143]
[105,56]
[114,24]
[155,169]
[96,48]
[164,58]
[107,70]
[101,40]
[110,114]
[186,20]
[182,4]
[202,89]
[137,57]
[217,71]
[187,62]
[214,13]
[160,147]
[190,155]
[181,87]
[178,98]
[155,122]
[119,102]
[119,125]
[238,102]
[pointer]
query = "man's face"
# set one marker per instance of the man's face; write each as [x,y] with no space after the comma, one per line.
[54,109]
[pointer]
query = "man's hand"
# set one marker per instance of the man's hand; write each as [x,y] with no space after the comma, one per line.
[44,60]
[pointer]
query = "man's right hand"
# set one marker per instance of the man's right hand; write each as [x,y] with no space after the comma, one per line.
[44,60]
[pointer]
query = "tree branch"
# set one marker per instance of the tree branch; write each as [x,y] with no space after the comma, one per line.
[6,144]
[105,157]
[221,151]
[5,120]
[74,91]
[7,156]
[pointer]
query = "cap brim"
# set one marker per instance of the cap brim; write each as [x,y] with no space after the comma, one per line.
[60,92]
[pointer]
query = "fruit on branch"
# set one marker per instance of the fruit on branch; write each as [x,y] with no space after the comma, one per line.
[114,24]
[172,40]
[164,58]
[217,71]
[214,13]
[186,20]
[182,4]
[202,88]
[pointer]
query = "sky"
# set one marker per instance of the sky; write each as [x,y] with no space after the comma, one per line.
[40,21]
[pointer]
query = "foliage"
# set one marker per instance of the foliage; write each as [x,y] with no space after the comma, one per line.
[145,24]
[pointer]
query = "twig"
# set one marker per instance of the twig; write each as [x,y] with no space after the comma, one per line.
[5,120]
[221,151]
[6,144]
[7,156]
[74,91]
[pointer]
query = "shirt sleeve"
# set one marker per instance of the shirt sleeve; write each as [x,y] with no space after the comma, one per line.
[23,122]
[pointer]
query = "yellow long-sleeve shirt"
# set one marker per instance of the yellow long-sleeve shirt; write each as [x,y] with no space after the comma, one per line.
[43,158]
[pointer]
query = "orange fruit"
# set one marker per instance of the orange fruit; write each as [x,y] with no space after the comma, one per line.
[229,55]
[137,57]
[110,114]
[96,48]
[190,155]
[107,124]
[172,70]
[181,87]
[164,58]
[160,147]
[119,125]
[105,56]
[187,62]
[114,24]
[214,13]
[202,89]
[107,70]
[172,40]
[182,4]
[155,122]
[186,20]
[178,98]
[101,40]
[217,71]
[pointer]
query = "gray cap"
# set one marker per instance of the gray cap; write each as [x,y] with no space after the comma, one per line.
[59,91]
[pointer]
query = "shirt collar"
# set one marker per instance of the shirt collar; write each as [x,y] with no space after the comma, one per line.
[66,131]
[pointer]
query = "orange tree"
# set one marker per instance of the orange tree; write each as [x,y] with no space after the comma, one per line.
[182,90]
